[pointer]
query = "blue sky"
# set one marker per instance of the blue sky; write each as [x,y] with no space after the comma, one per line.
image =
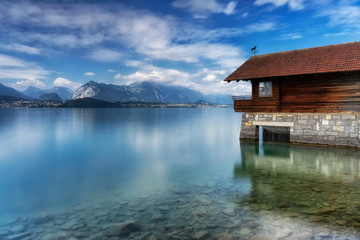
[192,43]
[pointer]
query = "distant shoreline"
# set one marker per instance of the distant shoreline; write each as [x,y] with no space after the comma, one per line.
[11,102]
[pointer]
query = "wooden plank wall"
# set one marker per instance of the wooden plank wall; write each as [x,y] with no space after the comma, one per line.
[322,93]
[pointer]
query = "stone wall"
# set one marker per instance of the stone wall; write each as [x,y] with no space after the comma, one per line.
[329,129]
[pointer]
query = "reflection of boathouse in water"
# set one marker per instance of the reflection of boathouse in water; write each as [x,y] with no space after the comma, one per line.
[302,182]
[306,96]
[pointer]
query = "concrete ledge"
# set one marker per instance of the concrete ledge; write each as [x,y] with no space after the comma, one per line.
[274,124]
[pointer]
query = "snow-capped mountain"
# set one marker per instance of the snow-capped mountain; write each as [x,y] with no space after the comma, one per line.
[145,92]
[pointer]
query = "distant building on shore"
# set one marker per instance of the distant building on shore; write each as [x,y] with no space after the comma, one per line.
[303,96]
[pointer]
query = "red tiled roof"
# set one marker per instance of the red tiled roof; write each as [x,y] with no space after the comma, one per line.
[333,58]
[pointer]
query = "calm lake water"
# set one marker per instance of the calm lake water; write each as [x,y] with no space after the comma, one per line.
[166,174]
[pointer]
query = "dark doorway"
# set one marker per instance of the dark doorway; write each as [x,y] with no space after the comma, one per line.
[276,134]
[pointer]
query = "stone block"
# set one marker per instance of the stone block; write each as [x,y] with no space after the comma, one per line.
[325,127]
[348,117]
[344,134]
[309,132]
[349,129]
[332,122]
[338,128]
[328,133]
[328,117]
[325,122]
[327,138]
[302,122]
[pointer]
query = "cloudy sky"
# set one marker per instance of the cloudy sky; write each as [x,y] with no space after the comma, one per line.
[192,43]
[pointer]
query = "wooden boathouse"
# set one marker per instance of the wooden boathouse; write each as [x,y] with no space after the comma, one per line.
[310,95]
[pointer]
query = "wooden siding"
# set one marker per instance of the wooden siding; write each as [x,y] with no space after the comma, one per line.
[323,93]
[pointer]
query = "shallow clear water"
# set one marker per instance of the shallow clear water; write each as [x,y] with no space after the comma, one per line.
[173,173]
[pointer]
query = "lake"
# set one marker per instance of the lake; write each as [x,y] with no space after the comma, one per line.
[108,174]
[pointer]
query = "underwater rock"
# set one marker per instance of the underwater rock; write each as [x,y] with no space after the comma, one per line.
[290,214]
[317,219]
[301,204]
[284,233]
[158,218]
[82,234]
[17,228]
[18,236]
[226,236]
[164,208]
[201,235]
[261,236]
[229,212]
[43,219]
[55,236]
[325,211]
[310,211]
[341,222]
[316,189]
[123,228]
[245,231]
[284,205]
[69,225]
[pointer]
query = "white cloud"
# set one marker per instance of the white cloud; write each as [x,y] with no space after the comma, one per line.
[9,61]
[89,74]
[293,4]
[24,84]
[342,15]
[203,8]
[193,34]
[63,82]
[105,55]
[290,36]
[69,40]
[117,76]
[20,48]
[24,72]
[111,70]
[199,81]
[133,63]
[209,78]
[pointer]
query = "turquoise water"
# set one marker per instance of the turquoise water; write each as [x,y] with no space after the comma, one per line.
[166,174]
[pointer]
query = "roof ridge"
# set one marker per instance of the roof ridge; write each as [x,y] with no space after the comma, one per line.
[305,49]
[342,57]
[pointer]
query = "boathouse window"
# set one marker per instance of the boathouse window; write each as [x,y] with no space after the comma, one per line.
[265,89]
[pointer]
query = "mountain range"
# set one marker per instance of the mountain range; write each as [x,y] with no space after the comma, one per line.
[35,93]
[146,92]
[136,92]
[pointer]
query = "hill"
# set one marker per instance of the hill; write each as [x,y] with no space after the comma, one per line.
[62,92]
[10,92]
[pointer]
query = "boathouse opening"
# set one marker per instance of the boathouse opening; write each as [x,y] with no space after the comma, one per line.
[274,134]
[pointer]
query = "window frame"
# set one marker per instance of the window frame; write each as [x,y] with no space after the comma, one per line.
[266,90]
